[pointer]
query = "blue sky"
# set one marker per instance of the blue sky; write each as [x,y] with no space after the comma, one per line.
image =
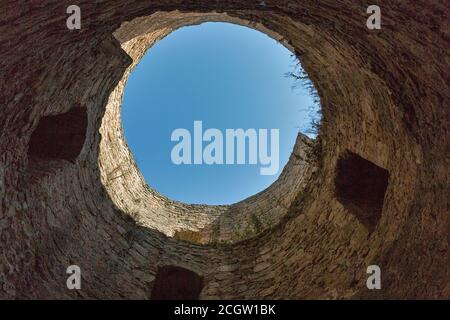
[228,77]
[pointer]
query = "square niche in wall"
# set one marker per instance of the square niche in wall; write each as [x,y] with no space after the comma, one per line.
[60,136]
[176,283]
[360,186]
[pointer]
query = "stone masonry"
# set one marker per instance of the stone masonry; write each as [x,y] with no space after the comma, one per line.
[385,103]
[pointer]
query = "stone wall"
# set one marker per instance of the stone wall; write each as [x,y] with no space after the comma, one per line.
[384,97]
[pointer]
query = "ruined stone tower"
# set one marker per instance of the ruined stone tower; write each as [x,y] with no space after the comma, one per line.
[372,189]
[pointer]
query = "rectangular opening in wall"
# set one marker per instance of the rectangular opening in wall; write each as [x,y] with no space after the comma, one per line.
[176,283]
[360,186]
[59,137]
[55,141]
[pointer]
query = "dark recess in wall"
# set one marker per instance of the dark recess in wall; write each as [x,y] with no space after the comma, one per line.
[176,283]
[360,186]
[59,137]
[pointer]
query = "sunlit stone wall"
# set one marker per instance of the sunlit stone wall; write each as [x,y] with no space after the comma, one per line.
[384,98]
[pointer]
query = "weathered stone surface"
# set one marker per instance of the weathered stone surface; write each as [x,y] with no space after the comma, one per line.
[384,97]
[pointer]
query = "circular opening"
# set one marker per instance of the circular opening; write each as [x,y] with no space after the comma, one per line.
[189,96]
